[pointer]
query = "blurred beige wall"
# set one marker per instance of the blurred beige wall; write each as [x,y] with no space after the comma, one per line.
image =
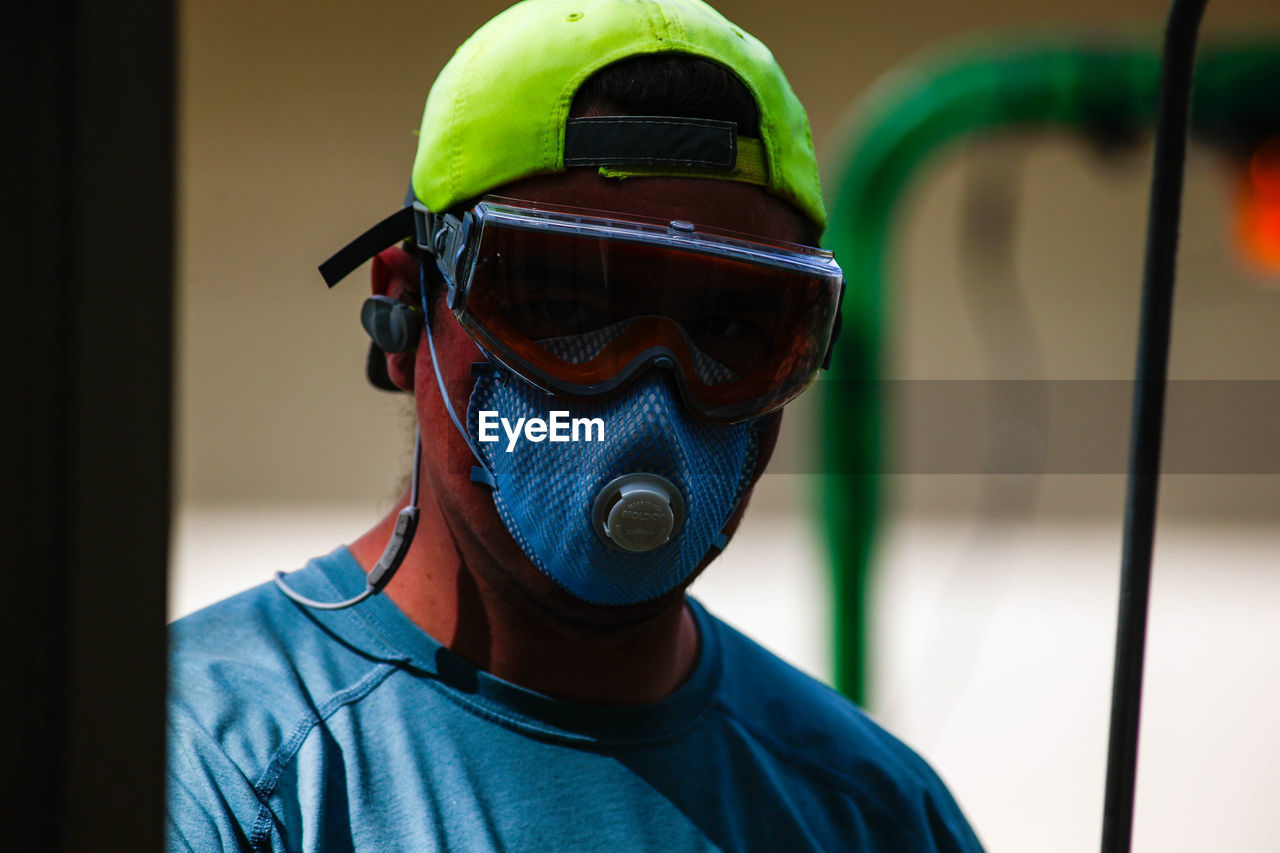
[296,133]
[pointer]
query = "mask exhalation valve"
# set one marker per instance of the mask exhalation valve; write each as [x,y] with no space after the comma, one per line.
[638,512]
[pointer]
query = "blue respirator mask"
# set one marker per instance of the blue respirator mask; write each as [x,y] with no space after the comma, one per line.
[625,513]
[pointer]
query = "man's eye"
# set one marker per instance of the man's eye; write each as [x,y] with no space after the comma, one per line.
[719,326]
[560,310]
[565,316]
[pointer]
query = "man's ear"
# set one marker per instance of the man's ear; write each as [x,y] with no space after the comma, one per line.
[395,275]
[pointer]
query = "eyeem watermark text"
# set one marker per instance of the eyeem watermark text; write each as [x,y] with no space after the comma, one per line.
[559,427]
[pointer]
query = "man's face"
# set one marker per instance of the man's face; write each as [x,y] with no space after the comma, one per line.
[468,507]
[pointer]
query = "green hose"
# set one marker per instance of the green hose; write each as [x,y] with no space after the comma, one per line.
[1105,91]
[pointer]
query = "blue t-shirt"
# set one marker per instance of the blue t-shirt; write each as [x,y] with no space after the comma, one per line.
[302,730]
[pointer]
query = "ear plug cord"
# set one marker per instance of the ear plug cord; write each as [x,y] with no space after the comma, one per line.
[392,556]
[407,521]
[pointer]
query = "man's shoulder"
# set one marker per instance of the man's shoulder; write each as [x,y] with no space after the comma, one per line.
[260,631]
[792,712]
[253,670]
[820,734]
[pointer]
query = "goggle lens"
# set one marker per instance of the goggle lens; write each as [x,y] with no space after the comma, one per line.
[580,304]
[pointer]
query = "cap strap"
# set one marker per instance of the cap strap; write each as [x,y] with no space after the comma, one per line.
[750,168]
[655,140]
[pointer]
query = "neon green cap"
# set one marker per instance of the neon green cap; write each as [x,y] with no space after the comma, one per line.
[498,111]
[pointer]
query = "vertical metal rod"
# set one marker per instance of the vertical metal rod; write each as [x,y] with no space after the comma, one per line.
[1148,418]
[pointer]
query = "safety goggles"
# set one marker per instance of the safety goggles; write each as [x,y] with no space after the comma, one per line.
[578,302]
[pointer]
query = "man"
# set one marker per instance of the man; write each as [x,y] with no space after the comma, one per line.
[614,201]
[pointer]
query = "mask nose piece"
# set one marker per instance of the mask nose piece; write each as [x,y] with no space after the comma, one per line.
[638,512]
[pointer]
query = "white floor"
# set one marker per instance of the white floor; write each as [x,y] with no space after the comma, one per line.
[992,658]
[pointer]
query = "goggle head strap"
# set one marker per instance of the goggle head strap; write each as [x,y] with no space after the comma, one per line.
[444,236]
[394,229]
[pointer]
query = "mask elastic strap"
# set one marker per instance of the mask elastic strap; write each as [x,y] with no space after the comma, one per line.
[480,473]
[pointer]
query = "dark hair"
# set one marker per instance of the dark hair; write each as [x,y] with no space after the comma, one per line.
[670,84]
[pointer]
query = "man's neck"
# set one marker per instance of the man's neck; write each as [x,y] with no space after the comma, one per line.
[482,614]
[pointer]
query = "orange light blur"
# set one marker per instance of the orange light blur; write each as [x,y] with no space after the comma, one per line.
[1258,210]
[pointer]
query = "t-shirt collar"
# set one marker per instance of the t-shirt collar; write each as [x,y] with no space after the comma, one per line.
[380,629]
